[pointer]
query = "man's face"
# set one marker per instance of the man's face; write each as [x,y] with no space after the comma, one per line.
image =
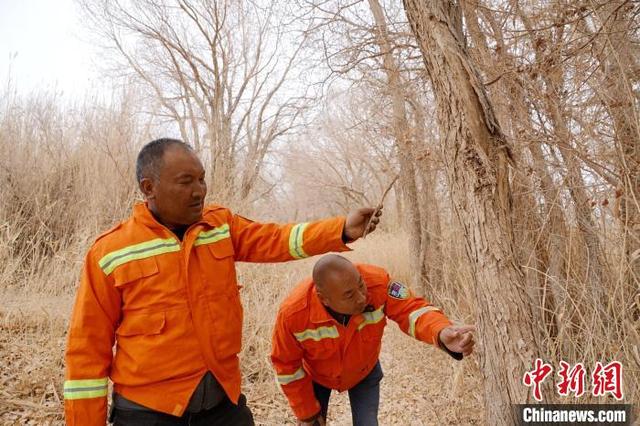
[344,292]
[176,195]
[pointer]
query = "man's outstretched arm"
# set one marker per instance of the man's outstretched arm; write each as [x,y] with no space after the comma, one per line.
[421,320]
[271,242]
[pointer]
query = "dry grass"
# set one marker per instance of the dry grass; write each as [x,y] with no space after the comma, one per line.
[420,382]
[62,184]
[32,341]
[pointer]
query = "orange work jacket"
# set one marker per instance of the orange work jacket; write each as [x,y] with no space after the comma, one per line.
[171,307]
[310,345]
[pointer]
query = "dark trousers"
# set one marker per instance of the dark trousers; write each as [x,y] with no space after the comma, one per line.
[363,397]
[223,414]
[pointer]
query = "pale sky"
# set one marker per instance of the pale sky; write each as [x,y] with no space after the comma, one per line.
[43,44]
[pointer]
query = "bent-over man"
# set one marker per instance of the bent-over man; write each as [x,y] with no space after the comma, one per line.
[328,335]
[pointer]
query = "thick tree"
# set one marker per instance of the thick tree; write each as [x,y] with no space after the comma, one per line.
[477,159]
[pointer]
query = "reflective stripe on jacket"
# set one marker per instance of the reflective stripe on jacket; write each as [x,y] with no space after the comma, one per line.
[171,307]
[310,345]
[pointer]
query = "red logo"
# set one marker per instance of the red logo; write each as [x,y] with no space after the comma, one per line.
[535,377]
[607,379]
[572,379]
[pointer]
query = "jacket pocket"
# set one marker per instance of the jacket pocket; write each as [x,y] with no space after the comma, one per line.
[135,270]
[221,249]
[142,324]
[373,332]
[226,310]
[218,268]
[144,349]
[322,349]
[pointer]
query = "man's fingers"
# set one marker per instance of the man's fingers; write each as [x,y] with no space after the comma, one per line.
[448,335]
[466,338]
[467,345]
[373,221]
[469,348]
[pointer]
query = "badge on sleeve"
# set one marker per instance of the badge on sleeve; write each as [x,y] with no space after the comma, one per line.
[398,290]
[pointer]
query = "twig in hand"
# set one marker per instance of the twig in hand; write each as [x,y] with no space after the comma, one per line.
[379,206]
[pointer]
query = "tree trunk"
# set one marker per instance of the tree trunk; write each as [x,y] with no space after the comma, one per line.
[404,144]
[477,156]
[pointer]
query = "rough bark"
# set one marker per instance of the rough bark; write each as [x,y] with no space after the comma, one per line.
[477,156]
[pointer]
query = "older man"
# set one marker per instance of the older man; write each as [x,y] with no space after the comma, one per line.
[328,335]
[162,286]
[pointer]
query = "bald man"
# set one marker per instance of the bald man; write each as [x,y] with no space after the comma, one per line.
[328,335]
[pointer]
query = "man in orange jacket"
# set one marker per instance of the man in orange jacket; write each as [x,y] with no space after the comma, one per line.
[328,335]
[162,287]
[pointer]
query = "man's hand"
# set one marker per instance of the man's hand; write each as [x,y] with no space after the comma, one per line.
[458,338]
[356,222]
[314,421]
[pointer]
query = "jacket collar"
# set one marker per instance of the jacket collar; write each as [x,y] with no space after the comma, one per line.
[143,215]
[317,312]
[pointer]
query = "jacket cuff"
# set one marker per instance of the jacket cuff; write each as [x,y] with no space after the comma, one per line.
[428,329]
[325,236]
[343,241]
[437,328]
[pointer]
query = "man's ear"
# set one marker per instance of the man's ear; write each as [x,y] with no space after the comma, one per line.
[322,298]
[146,186]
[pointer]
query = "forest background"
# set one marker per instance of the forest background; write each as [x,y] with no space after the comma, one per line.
[513,126]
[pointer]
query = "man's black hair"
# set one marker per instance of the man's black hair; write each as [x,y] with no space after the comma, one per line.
[150,157]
